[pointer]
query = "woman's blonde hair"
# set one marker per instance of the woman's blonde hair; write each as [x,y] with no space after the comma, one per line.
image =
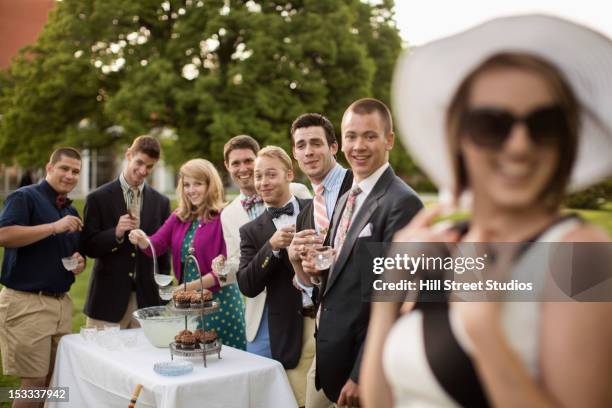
[204,171]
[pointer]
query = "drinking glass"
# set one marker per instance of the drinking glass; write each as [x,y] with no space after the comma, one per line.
[322,256]
[88,333]
[165,292]
[129,338]
[112,327]
[70,263]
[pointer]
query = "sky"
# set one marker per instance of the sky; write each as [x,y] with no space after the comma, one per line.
[426,20]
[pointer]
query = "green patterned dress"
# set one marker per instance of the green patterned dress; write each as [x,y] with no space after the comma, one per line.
[228,321]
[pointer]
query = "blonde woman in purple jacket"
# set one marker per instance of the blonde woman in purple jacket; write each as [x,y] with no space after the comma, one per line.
[196,224]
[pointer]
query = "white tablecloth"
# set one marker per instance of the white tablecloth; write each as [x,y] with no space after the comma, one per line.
[97,377]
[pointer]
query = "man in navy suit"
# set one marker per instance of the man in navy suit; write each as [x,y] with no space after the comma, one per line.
[122,277]
[264,264]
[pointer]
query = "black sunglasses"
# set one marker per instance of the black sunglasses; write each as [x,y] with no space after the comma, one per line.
[491,127]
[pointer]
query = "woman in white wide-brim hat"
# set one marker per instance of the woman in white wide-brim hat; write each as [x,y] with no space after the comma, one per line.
[513,112]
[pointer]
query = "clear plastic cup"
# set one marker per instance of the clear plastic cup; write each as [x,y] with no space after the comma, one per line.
[129,338]
[88,333]
[70,263]
[165,292]
[322,256]
[112,327]
[108,339]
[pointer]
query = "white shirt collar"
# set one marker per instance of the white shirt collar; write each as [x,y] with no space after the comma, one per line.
[368,183]
[126,186]
[293,200]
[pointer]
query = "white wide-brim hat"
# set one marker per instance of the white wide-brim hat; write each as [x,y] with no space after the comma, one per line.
[427,77]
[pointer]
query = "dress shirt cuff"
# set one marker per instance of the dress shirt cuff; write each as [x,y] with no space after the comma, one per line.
[307,289]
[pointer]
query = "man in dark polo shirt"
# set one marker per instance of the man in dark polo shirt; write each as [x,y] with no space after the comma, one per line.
[39,227]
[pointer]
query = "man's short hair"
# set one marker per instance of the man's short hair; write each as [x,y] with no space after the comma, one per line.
[240,142]
[64,152]
[368,105]
[275,152]
[317,120]
[148,145]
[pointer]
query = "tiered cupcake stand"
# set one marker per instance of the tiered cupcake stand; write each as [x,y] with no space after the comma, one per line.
[202,349]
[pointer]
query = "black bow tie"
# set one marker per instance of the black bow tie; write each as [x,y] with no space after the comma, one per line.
[277,212]
[61,201]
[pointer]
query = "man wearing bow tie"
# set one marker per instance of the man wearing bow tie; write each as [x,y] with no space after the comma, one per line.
[39,227]
[122,277]
[264,265]
[239,155]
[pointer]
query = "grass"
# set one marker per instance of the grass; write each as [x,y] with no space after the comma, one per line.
[78,292]
[602,217]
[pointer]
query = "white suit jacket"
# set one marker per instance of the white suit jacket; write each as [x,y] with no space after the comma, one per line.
[232,218]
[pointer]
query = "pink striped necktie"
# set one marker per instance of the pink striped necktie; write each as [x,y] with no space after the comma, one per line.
[321,218]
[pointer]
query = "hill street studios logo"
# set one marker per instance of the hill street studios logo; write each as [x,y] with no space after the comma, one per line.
[536,271]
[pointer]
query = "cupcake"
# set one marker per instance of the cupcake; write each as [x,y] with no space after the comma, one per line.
[184,332]
[188,341]
[178,339]
[196,300]
[210,336]
[207,298]
[199,335]
[178,342]
[182,300]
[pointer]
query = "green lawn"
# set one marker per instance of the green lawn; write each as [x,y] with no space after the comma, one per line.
[78,292]
[601,217]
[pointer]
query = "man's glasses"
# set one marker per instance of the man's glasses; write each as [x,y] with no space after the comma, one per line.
[491,127]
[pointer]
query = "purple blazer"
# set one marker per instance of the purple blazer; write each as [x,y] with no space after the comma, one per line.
[208,243]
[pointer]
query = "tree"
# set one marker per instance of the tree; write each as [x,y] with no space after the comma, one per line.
[201,71]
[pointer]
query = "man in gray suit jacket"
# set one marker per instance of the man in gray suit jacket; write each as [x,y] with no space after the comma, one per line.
[378,204]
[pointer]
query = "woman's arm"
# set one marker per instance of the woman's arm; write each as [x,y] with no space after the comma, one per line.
[208,243]
[375,389]
[208,280]
[575,358]
[162,238]
[576,353]
[576,337]
[575,350]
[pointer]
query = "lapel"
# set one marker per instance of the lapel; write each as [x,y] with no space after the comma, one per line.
[116,199]
[360,220]
[302,202]
[338,210]
[147,207]
[347,183]
[265,228]
[238,216]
